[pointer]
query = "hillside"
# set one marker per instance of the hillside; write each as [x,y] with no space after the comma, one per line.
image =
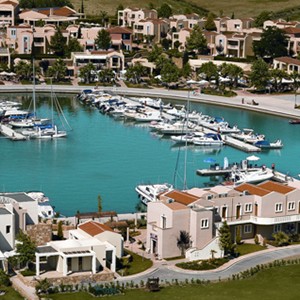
[240,8]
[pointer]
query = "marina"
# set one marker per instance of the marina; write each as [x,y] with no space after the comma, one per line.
[74,171]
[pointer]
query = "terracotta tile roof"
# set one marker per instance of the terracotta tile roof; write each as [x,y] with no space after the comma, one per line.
[181,197]
[276,187]
[57,11]
[94,228]
[291,30]
[288,60]
[252,189]
[10,2]
[119,30]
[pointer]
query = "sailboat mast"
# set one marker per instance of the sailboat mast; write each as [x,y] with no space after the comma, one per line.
[33,89]
[185,153]
[52,108]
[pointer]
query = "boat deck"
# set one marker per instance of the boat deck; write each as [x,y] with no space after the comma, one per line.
[11,134]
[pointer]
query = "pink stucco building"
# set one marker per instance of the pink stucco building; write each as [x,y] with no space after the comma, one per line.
[249,209]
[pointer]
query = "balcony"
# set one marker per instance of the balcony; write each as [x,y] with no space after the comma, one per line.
[263,221]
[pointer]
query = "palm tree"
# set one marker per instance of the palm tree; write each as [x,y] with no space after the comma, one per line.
[86,72]
[295,76]
[184,241]
[58,70]
[103,16]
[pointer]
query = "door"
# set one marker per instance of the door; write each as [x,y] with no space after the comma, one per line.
[238,212]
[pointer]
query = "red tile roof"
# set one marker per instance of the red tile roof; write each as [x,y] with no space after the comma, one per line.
[252,189]
[276,187]
[288,60]
[181,197]
[94,228]
[10,2]
[119,30]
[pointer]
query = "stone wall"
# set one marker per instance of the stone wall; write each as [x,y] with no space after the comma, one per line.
[40,233]
[84,278]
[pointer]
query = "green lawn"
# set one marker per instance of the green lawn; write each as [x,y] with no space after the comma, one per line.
[276,283]
[248,248]
[137,265]
[11,294]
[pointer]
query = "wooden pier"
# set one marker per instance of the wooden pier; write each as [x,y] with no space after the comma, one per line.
[11,134]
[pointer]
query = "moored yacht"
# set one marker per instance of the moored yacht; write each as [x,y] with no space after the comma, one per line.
[150,192]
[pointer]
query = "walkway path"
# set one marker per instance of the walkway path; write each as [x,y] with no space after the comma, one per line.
[27,292]
[282,105]
[166,270]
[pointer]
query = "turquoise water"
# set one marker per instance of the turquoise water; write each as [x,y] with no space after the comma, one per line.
[102,156]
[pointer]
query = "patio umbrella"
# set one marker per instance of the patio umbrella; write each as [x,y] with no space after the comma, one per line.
[209,160]
[191,81]
[252,158]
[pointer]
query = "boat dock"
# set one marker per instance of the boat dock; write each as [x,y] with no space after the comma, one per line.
[230,141]
[11,134]
[213,172]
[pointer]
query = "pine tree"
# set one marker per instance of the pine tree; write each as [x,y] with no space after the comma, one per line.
[60,234]
[225,238]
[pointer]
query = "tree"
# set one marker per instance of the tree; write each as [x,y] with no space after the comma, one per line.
[44,64]
[25,249]
[277,76]
[73,46]
[103,40]
[58,43]
[260,75]
[44,3]
[169,73]
[262,17]
[165,11]
[103,17]
[186,70]
[273,43]
[42,286]
[87,73]
[24,70]
[155,53]
[135,72]
[234,72]
[60,234]
[209,24]
[58,70]
[99,204]
[197,41]
[210,70]
[106,75]
[225,240]
[159,63]
[183,241]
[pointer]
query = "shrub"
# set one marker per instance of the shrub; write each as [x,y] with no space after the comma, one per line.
[256,240]
[4,279]
[281,239]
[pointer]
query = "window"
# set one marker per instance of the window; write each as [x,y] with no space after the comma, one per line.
[8,229]
[278,207]
[163,221]
[277,228]
[248,207]
[248,228]
[176,36]
[204,223]
[291,205]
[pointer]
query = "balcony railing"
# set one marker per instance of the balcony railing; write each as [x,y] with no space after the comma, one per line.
[262,220]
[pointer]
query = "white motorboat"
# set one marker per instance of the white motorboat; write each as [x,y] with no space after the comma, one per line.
[178,128]
[28,123]
[148,116]
[243,134]
[150,192]
[209,139]
[187,138]
[251,177]
[267,145]
[253,138]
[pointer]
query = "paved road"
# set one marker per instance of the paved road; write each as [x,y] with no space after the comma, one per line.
[278,105]
[167,271]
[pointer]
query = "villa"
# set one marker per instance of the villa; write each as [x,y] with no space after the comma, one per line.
[248,209]
[91,247]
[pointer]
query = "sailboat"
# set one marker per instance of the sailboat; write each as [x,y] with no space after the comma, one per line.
[29,120]
[52,132]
